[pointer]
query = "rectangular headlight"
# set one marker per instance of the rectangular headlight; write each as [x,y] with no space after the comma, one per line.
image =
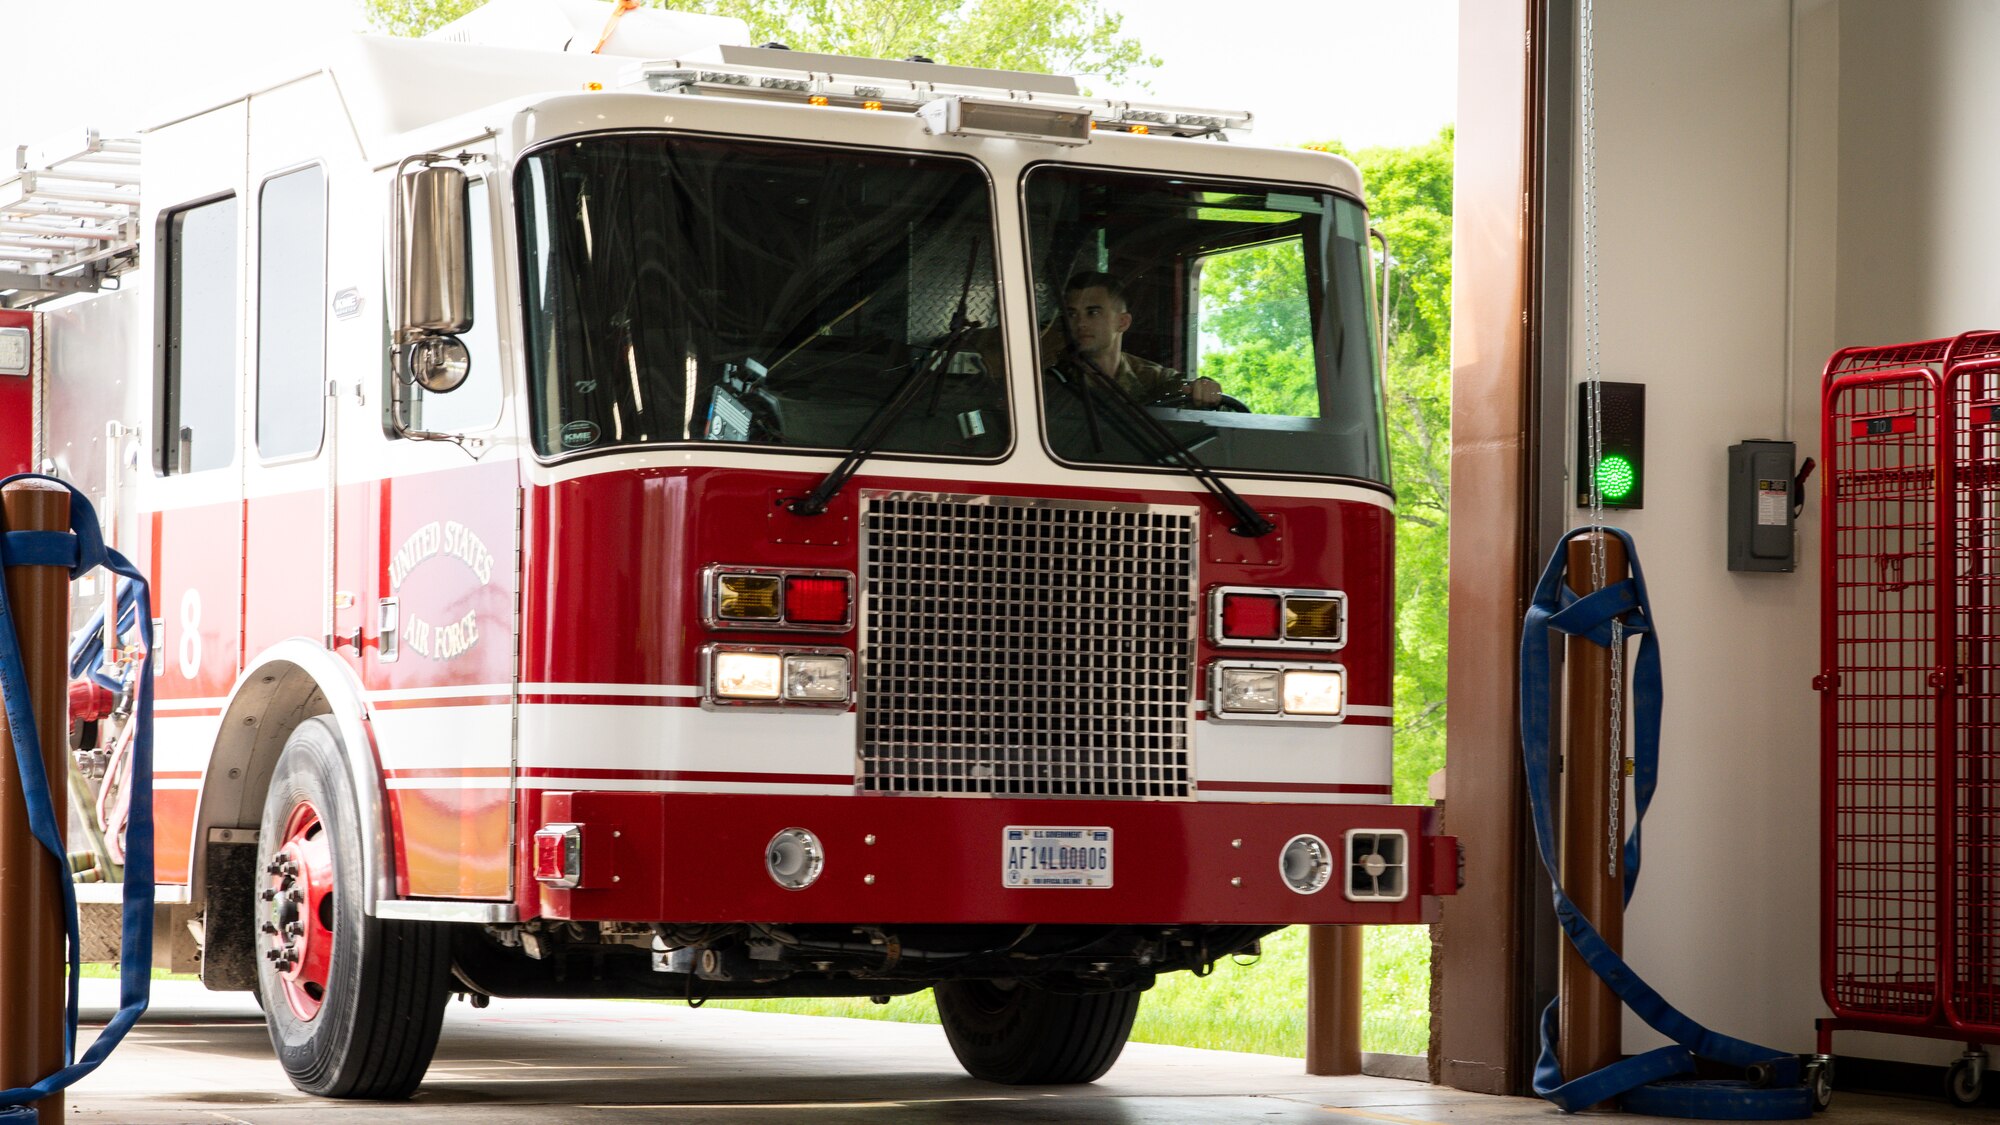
[816,678]
[1276,691]
[1320,693]
[747,675]
[773,677]
[1247,690]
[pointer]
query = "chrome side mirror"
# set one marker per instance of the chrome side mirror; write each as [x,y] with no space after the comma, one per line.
[430,283]
[434,255]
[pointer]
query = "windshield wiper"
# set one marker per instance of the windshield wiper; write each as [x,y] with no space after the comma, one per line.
[877,428]
[815,502]
[1249,523]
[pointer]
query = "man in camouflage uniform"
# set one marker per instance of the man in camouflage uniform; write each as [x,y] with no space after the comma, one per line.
[1098,315]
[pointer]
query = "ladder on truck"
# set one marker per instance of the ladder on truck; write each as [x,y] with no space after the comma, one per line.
[69,219]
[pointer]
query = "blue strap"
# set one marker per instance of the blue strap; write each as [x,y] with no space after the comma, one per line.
[81,550]
[1641,1083]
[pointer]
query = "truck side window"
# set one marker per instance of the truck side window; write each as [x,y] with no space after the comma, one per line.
[291,314]
[475,405]
[198,405]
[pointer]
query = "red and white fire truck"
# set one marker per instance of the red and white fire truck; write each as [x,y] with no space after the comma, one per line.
[700,520]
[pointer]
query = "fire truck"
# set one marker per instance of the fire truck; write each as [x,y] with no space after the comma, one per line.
[665,517]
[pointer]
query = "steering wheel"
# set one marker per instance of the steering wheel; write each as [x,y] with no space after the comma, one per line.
[1181,400]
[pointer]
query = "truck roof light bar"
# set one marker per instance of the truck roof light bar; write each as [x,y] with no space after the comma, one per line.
[69,218]
[1034,111]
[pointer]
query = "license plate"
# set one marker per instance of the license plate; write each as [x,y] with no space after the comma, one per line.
[1036,856]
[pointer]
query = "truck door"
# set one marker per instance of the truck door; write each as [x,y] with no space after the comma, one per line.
[427,549]
[286,506]
[191,503]
[297,141]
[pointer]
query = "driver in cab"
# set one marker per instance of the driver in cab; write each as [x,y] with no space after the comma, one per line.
[1097,316]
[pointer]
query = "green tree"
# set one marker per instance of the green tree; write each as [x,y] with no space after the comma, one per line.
[1409,201]
[1053,36]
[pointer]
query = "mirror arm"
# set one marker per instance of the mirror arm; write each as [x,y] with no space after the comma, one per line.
[399,382]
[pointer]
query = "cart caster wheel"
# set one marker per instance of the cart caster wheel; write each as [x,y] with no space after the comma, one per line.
[1819,1081]
[1965,1081]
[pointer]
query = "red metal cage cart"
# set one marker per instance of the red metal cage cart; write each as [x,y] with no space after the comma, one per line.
[1910,696]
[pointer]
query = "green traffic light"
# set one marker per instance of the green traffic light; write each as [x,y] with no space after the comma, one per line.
[1615,477]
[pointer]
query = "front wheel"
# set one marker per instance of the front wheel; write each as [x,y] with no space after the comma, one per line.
[353,1003]
[1014,1033]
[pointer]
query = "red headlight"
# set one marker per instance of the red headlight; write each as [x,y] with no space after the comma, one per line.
[812,600]
[1250,617]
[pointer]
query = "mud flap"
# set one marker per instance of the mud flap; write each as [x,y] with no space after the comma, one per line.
[229,916]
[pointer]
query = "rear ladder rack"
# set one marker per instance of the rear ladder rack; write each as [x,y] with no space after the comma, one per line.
[69,219]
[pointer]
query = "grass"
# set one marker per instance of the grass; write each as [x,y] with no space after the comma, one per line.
[108,970]
[1257,1006]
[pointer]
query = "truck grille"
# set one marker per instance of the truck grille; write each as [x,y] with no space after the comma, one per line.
[1026,648]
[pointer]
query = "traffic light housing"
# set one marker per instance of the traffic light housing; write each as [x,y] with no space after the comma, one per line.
[1617,476]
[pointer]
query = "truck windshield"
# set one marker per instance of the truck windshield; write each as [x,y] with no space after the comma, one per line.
[679,289]
[1160,281]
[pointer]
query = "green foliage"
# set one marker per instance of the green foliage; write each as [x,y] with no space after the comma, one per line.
[1053,36]
[415,17]
[1409,200]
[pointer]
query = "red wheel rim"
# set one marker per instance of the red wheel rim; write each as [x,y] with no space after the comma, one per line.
[298,908]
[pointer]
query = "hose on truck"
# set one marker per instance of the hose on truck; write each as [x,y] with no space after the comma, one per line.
[1656,1081]
[81,550]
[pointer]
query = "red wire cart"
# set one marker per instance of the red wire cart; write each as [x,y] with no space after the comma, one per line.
[1910,696]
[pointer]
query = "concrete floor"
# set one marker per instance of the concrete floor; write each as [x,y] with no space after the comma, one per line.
[204,1057]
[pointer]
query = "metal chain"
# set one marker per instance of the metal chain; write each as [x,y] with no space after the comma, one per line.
[1595,424]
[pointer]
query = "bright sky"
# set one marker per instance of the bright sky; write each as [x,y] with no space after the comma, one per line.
[1364,71]
[1368,72]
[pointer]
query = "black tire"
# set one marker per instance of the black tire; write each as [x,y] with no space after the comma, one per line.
[1962,1086]
[371,1024]
[1019,1035]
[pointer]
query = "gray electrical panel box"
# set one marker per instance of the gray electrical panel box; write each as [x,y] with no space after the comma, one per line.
[1760,506]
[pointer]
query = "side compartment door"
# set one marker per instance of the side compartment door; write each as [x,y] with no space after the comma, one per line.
[428,541]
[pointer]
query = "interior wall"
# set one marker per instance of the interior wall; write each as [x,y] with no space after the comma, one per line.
[1775,179]
[1917,112]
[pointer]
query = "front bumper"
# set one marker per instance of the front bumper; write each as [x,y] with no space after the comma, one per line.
[699,857]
